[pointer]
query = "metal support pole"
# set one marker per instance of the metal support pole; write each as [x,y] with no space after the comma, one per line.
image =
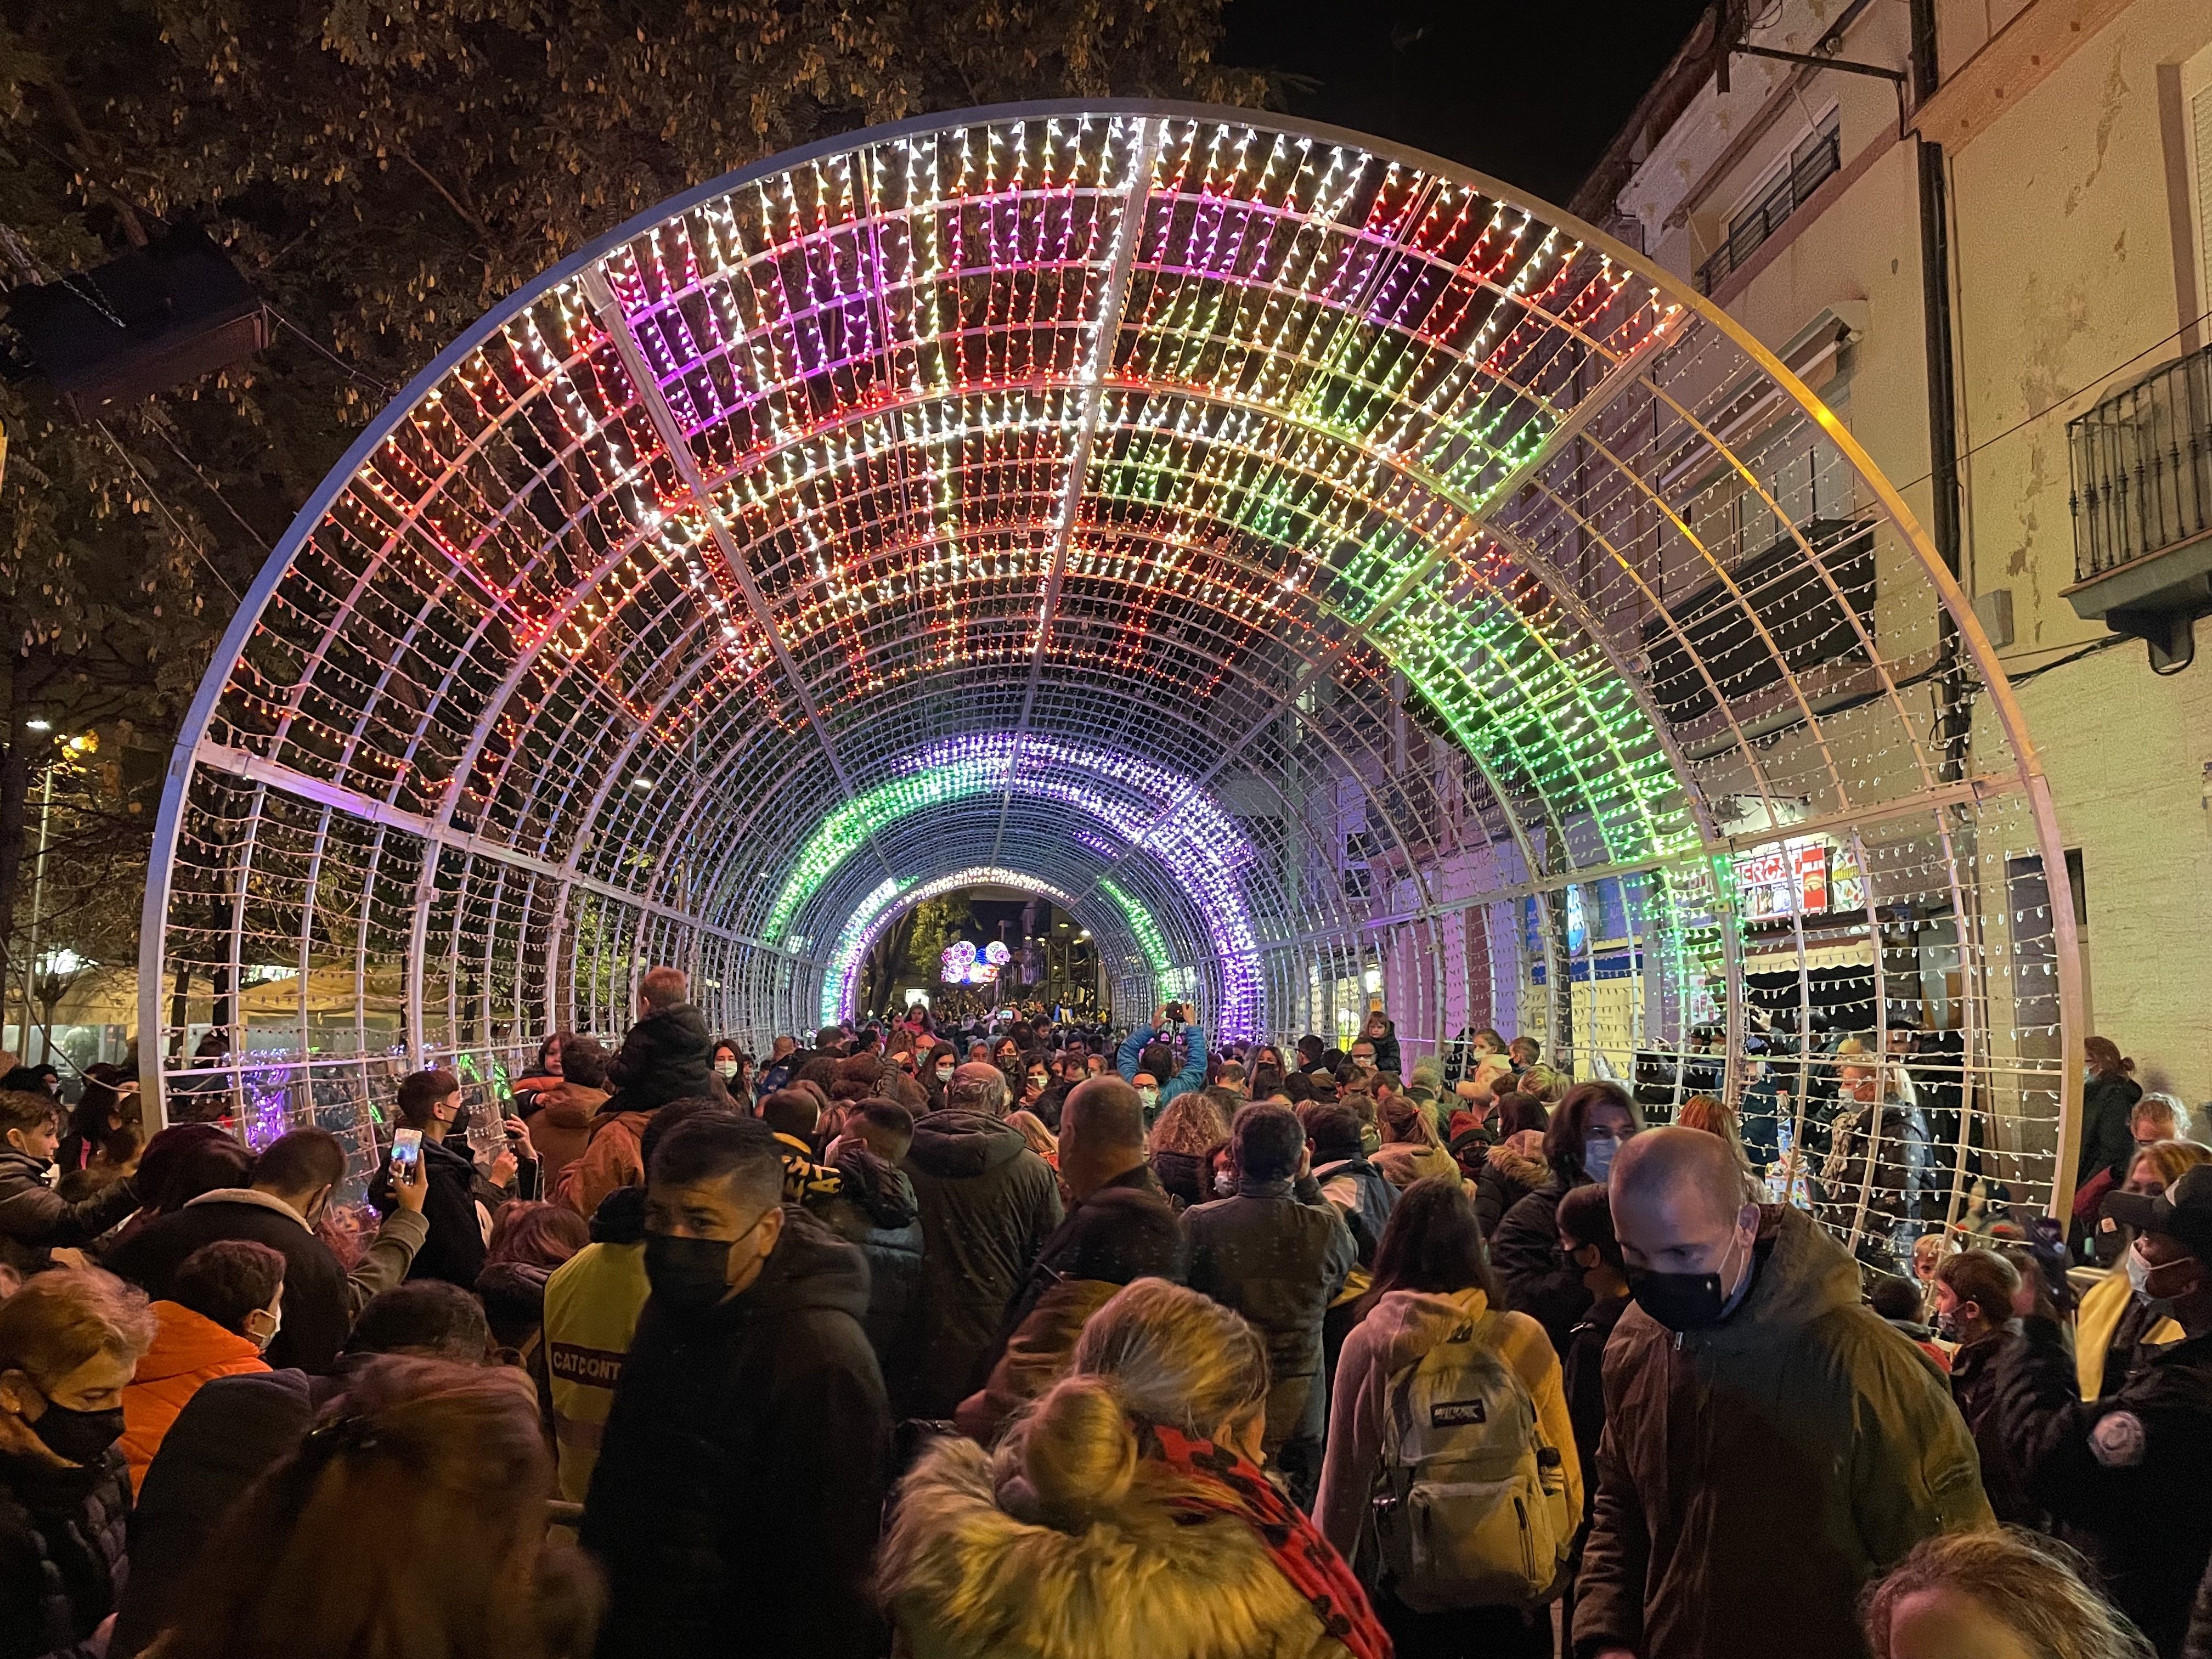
[38,900]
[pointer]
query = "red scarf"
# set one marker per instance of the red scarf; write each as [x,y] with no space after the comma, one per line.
[1226,1484]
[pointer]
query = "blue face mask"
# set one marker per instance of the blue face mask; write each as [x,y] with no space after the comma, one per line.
[1597,1159]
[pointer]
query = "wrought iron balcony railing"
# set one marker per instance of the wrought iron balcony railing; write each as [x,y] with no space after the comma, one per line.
[2142,468]
[1814,162]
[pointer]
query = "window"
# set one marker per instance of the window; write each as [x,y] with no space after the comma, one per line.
[1811,164]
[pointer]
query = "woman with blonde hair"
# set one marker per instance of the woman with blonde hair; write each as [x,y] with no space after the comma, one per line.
[1126,1513]
[69,1342]
[449,1465]
[2009,1593]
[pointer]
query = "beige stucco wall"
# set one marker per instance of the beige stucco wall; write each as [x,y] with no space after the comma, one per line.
[2064,266]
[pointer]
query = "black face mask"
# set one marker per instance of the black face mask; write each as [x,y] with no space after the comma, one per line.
[81,1436]
[1681,1302]
[690,1273]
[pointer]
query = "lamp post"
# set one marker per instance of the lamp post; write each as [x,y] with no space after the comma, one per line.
[38,894]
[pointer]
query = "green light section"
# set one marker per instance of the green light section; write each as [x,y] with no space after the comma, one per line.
[1149,939]
[848,828]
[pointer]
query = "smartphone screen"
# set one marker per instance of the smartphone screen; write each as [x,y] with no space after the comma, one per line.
[406,1149]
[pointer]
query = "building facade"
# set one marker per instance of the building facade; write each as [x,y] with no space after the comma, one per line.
[1982,229]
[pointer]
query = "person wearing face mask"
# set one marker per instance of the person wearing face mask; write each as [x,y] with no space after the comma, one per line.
[1580,1142]
[740,1477]
[291,1186]
[69,1339]
[33,1217]
[729,1064]
[1978,1295]
[1757,1413]
[1150,1049]
[2126,1475]
[941,1066]
[2113,1318]
[226,1306]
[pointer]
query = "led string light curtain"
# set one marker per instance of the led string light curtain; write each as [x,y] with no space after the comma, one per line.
[1323,572]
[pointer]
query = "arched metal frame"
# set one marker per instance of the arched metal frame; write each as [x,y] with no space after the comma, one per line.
[1328,573]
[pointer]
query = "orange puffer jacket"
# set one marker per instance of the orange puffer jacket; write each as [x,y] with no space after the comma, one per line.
[189,1349]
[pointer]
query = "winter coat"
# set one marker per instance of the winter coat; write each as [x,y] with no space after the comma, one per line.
[1801,1430]
[61,1553]
[735,1503]
[1365,1195]
[562,1127]
[190,1351]
[874,1208]
[1975,1370]
[1123,1232]
[318,1309]
[1034,1358]
[804,1181]
[454,1250]
[2109,1322]
[1279,1257]
[987,1204]
[1184,1175]
[665,1056]
[613,1157]
[1582,1373]
[1192,1076]
[2126,1475]
[1399,1330]
[228,1435]
[968,1572]
[1387,1057]
[34,1219]
[1540,1281]
[2107,1141]
[1507,1177]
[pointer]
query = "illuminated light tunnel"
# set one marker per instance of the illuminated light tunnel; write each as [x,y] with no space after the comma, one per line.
[1325,572]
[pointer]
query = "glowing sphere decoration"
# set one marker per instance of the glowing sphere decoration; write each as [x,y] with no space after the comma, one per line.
[995,953]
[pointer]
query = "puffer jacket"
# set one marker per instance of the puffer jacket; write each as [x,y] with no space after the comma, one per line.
[968,1571]
[61,1553]
[1507,1177]
[665,1056]
[1802,1430]
[1278,1256]
[1405,1162]
[740,1483]
[988,1204]
[1398,1333]
[190,1351]
[34,1219]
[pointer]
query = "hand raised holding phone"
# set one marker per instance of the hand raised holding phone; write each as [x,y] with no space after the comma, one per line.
[410,1181]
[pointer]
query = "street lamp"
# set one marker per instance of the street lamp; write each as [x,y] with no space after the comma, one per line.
[85,744]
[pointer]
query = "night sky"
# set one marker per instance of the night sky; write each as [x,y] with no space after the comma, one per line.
[1529,93]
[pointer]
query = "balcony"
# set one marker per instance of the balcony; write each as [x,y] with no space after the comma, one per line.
[1812,164]
[2142,501]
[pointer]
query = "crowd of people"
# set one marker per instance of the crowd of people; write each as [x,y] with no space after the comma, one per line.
[1022,1340]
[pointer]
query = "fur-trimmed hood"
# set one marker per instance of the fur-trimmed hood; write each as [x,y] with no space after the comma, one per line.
[965,1578]
[1523,1171]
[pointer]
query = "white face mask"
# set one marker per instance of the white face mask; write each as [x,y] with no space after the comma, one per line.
[725,1069]
[262,1326]
[2138,1270]
[1149,1095]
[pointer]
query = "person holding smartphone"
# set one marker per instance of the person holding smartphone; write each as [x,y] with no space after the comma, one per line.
[428,1105]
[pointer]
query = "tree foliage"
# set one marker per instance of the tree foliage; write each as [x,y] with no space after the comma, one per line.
[383,174]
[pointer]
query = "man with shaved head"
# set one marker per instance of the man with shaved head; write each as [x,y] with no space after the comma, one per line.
[987,1204]
[1770,1444]
[1121,1229]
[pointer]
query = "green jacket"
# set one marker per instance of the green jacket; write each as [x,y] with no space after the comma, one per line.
[1753,1476]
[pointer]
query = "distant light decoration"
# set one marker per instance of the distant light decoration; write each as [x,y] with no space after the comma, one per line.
[888,901]
[996,954]
[1194,843]
[1300,562]
[960,965]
